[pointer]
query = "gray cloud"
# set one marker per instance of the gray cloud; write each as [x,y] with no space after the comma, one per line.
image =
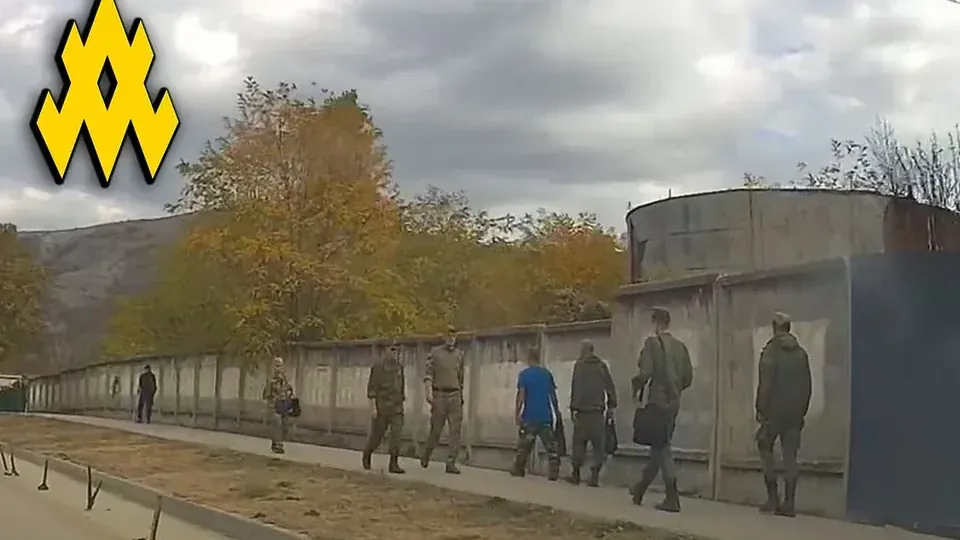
[584,104]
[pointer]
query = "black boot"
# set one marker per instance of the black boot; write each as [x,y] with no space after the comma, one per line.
[671,503]
[594,480]
[640,488]
[788,508]
[554,470]
[366,460]
[425,458]
[394,467]
[773,496]
[519,468]
[451,468]
[574,477]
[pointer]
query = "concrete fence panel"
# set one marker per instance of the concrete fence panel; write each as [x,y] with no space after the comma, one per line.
[690,302]
[816,297]
[724,322]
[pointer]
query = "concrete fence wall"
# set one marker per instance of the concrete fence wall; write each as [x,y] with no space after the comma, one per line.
[724,320]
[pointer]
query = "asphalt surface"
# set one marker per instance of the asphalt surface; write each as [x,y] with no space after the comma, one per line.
[60,512]
[704,518]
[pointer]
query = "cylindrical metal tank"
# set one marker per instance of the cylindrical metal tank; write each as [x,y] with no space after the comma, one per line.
[755,229]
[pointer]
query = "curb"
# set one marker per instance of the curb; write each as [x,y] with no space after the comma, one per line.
[205,517]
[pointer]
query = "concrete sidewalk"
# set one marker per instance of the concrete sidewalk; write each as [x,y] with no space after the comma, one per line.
[700,517]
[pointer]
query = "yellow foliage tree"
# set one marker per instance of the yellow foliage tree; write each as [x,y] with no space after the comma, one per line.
[573,266]
[23,284]
[300,212]
[303,236]
[182,313]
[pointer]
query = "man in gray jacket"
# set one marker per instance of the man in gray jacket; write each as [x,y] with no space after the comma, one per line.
[665,371]
[592,399]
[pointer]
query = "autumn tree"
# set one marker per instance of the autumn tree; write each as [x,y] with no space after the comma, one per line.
[452,258]
[295,209]
[22,287]
[477,270]
[301,234]
[576,265]
[182,313]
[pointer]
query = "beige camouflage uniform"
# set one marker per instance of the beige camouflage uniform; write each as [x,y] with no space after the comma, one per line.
[444,389]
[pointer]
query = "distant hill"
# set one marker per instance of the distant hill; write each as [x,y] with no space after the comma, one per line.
[91,267]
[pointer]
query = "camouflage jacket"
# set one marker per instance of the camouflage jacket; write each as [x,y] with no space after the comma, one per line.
[445,368]
[665,370]
[387,386]
[277,387]
[785,383]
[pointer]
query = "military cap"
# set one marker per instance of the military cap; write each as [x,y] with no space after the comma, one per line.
[780,318]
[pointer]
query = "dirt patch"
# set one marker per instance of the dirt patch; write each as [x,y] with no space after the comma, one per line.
[322,502]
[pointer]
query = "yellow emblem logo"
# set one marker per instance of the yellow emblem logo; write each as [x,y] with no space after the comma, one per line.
[104,48]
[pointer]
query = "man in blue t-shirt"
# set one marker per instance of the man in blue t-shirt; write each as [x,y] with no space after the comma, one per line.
[535,413]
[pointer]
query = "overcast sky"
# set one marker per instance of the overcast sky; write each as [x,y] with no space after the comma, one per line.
[564,104]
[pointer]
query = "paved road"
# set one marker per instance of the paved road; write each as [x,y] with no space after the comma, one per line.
[59,513]
[700,517]
[25,516]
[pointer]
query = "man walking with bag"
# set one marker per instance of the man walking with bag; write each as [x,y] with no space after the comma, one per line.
[665,371]
[278,395]
[593,399]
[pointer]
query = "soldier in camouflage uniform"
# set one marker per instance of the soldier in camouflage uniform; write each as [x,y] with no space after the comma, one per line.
[277,394]
[665,371]
[593,398]
[443,385]
[386,390]
[783,399]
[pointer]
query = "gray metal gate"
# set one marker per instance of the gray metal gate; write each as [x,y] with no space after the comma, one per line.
[905,392]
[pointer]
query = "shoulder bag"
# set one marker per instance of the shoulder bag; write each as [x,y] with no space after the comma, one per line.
[650,421]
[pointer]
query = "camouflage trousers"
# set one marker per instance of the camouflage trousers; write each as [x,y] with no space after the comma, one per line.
[392,421]
[789,437]
[529,433]
[278,430]
[447,410]
[589,427]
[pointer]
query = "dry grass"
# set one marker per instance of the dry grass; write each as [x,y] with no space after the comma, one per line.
[321,502]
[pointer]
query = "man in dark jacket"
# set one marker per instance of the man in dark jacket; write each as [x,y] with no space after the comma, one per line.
[665,371]
[593,398]
[783,399]
[146,391]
